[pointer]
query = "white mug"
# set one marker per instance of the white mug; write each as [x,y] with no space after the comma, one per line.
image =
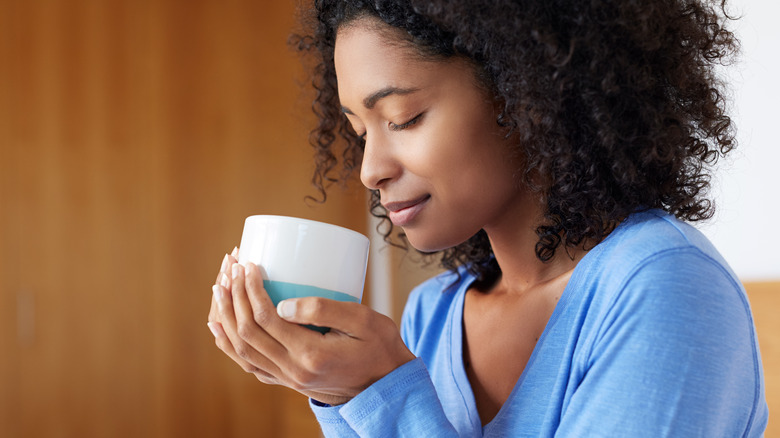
[300,257]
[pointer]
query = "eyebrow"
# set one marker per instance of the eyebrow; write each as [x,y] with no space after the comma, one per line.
[370,101]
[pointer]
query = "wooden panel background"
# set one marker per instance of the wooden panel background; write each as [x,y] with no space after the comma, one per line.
[135,136]
[765,302]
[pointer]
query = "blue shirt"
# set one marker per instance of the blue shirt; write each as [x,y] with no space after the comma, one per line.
[653,336]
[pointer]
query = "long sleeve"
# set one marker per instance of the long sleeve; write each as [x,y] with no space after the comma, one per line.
[402,404]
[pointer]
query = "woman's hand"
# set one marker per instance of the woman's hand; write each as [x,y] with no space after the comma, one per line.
[223,279]
[361,347]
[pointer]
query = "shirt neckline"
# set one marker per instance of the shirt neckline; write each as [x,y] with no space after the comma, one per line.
[456,343]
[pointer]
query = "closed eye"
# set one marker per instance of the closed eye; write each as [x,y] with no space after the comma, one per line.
[401,127]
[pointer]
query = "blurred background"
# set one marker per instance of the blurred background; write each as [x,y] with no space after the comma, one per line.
[135,137]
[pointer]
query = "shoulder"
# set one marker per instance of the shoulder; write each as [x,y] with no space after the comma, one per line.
[655,230]
[671,292]
[656,253]
[657,277]
[656,243]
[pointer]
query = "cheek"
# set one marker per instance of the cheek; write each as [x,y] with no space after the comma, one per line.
[451,139]
[470,154]
[481,176]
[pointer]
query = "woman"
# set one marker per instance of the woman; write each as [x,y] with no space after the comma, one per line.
[551,151]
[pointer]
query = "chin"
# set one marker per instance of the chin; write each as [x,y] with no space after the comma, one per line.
[424,242]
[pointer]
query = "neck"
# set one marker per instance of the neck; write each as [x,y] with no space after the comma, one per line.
[514,244]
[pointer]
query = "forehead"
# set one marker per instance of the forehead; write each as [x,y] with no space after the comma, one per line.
[370,54]
[375,29]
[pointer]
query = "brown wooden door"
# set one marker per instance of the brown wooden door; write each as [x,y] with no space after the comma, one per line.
[135,136]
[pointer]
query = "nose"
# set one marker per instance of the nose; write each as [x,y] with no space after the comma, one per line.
[379,165]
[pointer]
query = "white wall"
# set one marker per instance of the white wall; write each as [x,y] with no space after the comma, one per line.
[747,189]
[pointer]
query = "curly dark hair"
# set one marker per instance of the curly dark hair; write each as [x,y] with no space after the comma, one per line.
[616,104]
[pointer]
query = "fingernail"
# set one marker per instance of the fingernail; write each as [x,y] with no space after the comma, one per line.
[235,251]
[217,293]
[224,264]
[286,309]
[235,270]
[224,281]
[213,329]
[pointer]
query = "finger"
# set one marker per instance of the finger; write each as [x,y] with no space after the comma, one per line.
[258,296]
[265,313]
[252,323]
[226,346]
[240,348]
[346,317]
[228,271]
[222,269]
[227,276]
[224,281]
[263,308]
[227,263]
[213,313]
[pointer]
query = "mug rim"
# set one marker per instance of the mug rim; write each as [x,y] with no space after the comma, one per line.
[306,221]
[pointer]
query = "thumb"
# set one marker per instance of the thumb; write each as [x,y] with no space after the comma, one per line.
[287,309]
[323,312]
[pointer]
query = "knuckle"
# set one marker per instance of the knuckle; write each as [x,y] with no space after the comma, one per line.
[221,344]
[266,378]
[302,378]
[244,330]
[312,360]
[315,306]
[387,324]
[244,352]
[293,384]
[364,318]
[262,317]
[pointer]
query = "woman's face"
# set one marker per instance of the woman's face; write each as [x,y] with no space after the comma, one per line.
[433,149]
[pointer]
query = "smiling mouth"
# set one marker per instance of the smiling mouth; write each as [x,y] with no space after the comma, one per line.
[403,212]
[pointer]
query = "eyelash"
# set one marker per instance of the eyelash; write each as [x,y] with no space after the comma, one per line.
[401,127]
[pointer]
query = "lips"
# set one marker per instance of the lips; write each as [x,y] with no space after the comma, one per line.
[403,212]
